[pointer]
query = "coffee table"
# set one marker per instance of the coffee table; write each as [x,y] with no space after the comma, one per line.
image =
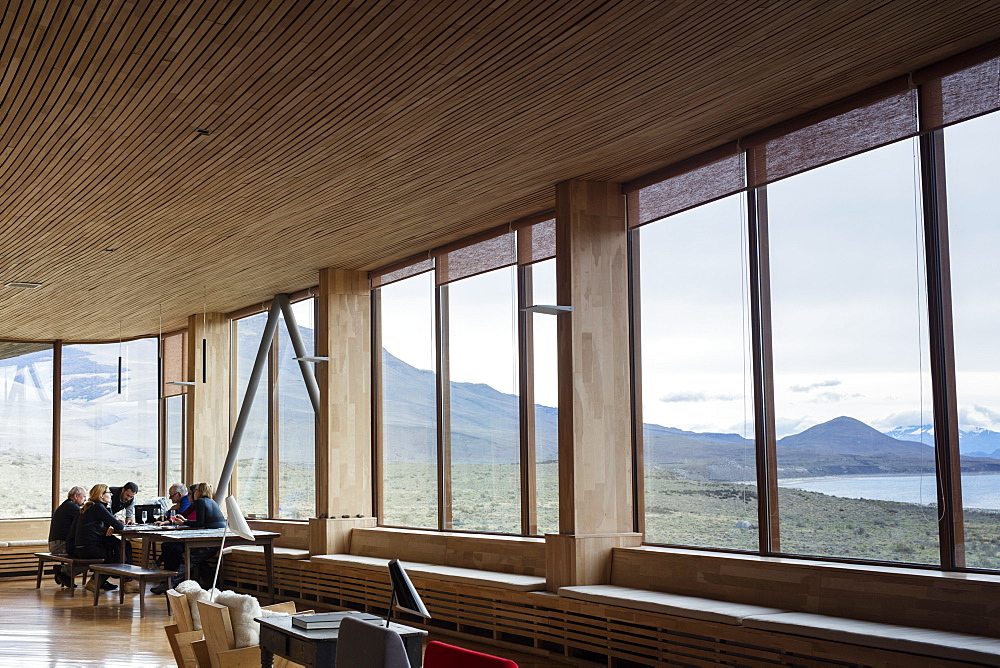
[278,637]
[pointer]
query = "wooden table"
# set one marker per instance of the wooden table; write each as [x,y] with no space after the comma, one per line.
[192,538]
[278,637]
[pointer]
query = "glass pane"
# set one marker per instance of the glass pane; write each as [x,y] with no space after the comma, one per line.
[251,464]
[485,431]
[972,153]
[26,429]
[174,430]
[543,284]
[296,420]
[109,437]
[697,396]
[849,337]
[409,403]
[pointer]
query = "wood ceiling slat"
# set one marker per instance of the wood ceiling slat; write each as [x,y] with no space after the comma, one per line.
[347,134]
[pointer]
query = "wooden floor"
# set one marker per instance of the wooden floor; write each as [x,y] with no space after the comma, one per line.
[45,627]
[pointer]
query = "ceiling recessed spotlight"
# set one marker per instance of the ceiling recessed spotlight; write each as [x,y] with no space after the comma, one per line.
[203,131]
[24,285]
[110,250]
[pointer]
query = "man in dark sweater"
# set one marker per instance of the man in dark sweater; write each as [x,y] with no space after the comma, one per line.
[62,521]
[123,498]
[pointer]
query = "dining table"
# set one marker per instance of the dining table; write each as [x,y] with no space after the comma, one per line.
[191,538]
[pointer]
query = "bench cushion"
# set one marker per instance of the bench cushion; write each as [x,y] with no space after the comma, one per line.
[357,561]
[434,572]
[929,642]
[474,576]
[27,543]
[705,609]
[279,552]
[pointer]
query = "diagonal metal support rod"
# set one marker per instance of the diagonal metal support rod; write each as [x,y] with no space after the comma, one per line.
[308,369]
[259,366]
[282,304]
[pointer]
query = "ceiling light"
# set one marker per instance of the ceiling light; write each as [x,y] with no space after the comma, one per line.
[549,310]
[26,285]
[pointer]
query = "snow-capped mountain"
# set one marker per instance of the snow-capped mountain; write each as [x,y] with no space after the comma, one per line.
[975,441]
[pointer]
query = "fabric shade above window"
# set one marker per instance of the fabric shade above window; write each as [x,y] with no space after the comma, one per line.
[174,356]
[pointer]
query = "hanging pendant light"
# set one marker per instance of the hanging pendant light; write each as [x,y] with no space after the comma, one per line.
[119,357]
[159,358]
[204,342]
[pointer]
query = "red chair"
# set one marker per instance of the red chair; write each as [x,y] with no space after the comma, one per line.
[440,655]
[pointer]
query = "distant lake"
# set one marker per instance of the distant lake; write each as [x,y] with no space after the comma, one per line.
[978,491]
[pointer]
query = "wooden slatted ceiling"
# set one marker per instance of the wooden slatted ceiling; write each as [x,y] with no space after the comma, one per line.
[352,134]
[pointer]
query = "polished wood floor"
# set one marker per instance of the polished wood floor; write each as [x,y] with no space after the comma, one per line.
[45,627]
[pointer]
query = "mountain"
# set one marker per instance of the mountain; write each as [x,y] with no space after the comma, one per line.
[975,442]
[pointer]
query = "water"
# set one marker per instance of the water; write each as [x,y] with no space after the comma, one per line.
[978,491]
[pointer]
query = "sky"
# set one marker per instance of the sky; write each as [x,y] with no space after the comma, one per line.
[848,314]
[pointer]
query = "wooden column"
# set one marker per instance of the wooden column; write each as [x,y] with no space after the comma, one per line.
[208,402]
[595,448]
[344,438]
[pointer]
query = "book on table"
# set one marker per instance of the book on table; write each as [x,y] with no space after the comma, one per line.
[328,620]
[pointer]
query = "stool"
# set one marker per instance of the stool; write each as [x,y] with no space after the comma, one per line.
[129,571]
[64,559]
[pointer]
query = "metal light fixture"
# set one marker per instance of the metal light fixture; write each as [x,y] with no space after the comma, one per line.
[311,358]
[548,309]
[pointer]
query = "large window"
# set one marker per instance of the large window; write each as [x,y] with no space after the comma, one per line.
[276,462]
[252,463]
[850,346]
[109,436]
[870,236]
[174,435]
[697,402]
[972,153]
[26,427]
[483,402]
[296,420]
[408,403]
[541,277]
[467,387]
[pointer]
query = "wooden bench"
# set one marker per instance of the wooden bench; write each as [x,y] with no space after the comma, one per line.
[823,611]
[73,562]
[129,571]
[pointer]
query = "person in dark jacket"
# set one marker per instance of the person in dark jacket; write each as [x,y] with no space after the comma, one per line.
[59,528]
[123,498]
[93,537]
[205,514]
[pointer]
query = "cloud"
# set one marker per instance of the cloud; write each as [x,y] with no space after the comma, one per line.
[808,388]
[831,397]
[695,397]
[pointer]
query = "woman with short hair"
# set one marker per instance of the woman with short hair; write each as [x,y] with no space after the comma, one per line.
[93,537]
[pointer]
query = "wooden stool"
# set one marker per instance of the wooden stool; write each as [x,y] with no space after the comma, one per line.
[129,571]
[64,559]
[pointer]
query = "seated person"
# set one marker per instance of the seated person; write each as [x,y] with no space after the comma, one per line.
[178,495]
[93,537]
[62,522]
[204,513]
[123,498]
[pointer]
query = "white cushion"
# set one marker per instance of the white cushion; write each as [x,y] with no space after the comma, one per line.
[693,607]
[929,642]
[194,593]
[242,610]
[475,576]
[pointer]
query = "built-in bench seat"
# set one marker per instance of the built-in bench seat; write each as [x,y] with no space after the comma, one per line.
[924,642]
[473,576]
[946,645]
[279,552]
[692,607]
